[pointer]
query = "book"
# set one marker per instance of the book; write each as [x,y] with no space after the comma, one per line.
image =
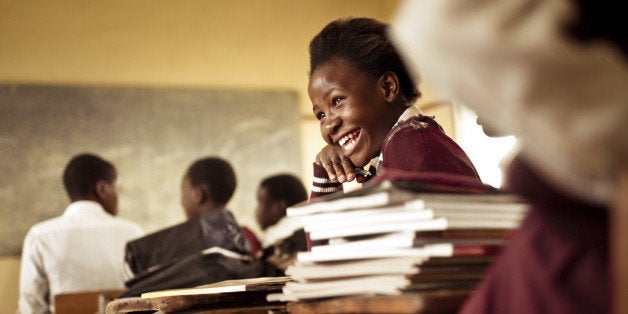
[378,213]
[356,229]
[430,250]
[363,216]
[406,240]
[415,208]
[400,186]
[417,224]
[381,266]
[380,284]
[492,233]
[227,286]
[386,265]
[396,236]
[478,205]
[393,196]
[386,285]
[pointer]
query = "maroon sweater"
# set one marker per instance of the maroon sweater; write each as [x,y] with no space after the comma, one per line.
[557,262]
[417,144]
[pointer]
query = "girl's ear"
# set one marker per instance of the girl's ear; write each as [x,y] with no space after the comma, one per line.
[389,83]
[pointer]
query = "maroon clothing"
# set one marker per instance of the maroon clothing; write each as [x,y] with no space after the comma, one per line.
[417,144]
[253,241]
[557,262]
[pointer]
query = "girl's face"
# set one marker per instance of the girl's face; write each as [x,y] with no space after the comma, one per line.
[352,108]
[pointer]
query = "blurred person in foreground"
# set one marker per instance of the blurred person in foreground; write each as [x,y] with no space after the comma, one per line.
[554,74]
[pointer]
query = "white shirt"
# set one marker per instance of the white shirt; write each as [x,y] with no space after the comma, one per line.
[510,61]
[81,250]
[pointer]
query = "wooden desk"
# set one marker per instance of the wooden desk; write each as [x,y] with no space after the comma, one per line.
[424,303]
[235,302]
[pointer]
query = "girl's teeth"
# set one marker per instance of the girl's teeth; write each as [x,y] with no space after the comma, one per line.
[349,145]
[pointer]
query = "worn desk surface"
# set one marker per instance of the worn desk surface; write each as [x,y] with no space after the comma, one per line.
[248,302]
[235,302]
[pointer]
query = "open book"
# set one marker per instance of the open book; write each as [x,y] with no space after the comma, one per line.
[236,285]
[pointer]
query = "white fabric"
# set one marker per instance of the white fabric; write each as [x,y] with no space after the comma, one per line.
[566,102]
[411,111]
[81,250]
[283,229]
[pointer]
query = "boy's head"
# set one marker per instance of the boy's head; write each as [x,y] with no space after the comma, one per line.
[274,195]
[208,184]
[358,86]
[89,177]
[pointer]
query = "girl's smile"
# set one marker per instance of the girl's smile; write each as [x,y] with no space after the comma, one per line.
[354,109]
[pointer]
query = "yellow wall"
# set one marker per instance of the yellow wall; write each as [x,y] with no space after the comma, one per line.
[258,44]
[9,276]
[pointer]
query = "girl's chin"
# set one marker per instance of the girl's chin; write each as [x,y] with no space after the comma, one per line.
[361,158]
[360,162]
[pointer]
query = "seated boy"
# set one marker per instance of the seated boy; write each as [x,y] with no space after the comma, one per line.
[206,188]
[283,236]
[81,250]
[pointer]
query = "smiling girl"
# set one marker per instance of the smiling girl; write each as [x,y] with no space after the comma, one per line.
[363,97]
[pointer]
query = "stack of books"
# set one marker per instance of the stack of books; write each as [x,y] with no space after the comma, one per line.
[393,238]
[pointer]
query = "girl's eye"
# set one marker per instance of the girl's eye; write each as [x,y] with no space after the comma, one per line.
[320,115]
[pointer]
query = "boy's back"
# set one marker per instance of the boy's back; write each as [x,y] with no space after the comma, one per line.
[82,250]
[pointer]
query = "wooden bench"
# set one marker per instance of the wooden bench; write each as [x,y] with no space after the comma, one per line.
[83,302]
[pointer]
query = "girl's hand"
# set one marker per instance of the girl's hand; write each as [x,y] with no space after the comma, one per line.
[338,166]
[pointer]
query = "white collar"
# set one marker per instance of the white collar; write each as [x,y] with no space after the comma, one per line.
[411,111]
[85,208]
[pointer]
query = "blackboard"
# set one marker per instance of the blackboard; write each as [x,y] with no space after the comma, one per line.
[150,134]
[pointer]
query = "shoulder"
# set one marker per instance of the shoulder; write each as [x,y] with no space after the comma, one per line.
[413,125]
[41,233]
[131,227]
[412,132]
[419,144]
[46,226]
[227,215]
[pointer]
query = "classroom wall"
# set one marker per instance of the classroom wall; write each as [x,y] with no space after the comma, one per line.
[250,44]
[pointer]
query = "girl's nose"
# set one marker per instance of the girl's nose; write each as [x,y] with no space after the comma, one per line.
[332,125]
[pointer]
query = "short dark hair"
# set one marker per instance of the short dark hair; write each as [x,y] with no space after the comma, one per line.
[217,173]
[363,42]
[83,172]
[285,187]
